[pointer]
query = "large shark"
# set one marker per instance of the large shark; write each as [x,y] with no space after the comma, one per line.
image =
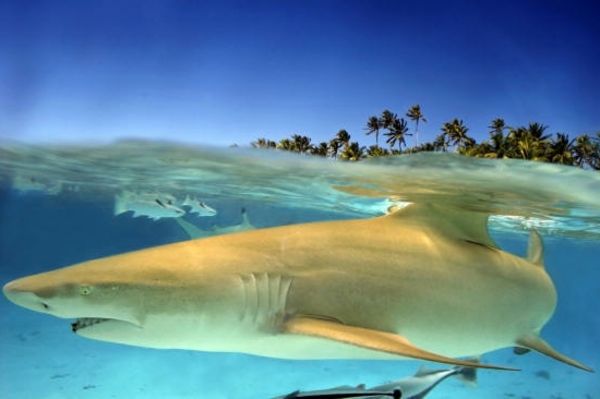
[423,282]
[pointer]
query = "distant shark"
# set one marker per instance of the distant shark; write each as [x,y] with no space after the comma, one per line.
[415,387]
[194,231]
[424,282]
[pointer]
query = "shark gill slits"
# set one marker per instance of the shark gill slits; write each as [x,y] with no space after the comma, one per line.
[159,202]
[45,306]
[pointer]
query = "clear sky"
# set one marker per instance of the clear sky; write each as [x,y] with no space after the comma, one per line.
[226,72]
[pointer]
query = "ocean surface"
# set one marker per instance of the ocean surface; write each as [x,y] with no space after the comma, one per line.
[57,208]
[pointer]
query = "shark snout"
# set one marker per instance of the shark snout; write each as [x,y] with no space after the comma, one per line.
[21,293]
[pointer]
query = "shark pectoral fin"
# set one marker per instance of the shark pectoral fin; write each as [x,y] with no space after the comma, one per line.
[536,343]
[370,339]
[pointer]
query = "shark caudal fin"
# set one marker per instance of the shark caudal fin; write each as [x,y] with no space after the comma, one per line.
[537,344]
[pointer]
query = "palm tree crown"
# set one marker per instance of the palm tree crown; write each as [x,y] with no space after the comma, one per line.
[373,126]
[415,114]
[397,132]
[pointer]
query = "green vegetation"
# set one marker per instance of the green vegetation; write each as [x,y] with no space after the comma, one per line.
[530,142]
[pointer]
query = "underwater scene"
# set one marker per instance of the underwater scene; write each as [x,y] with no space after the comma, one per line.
[207,272]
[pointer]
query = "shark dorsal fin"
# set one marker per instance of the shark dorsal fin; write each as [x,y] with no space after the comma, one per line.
[458,223]
[535,249]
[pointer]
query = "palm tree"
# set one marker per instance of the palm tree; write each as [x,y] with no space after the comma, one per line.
[496,147]
[387,119]
[353,152]
[373,126]
[583,151]
[334,147]
[263,143]
[302,143]
[561,150]
[397,132]
[537,131]
[376,151]
[343,137]
[415,114]
[286,145]
[320,150]
[455,133]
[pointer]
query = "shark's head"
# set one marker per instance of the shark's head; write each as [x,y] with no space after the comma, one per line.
[75,293]
[134,298]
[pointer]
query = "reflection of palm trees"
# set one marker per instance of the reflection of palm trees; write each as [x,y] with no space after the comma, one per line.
[373,126]
[353,152]
[415,114]
[397,132]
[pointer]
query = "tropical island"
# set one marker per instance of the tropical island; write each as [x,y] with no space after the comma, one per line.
[531,142]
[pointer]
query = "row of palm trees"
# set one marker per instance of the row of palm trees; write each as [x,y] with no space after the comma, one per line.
[530,142]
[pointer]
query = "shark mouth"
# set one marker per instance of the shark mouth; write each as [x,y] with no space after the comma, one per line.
[86,322]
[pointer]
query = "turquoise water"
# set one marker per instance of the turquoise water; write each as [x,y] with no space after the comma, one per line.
[56,209]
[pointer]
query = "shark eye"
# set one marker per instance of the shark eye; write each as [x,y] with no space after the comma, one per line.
[45,305]
[85,290]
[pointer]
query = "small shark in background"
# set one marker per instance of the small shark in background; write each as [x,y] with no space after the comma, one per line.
[197,207]
[152,205]
[25,184]
[414,387]
[194,231]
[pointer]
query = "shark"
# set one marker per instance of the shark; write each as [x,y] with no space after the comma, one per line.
[425,282]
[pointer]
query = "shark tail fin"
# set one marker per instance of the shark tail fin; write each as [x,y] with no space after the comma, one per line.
[535,249]
[467,375]
[534,342]
[120,204]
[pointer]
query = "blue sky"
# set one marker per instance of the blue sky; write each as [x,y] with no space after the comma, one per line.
[227,72]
